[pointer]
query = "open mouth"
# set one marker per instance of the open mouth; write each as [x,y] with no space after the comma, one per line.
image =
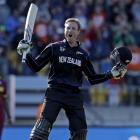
[70,35]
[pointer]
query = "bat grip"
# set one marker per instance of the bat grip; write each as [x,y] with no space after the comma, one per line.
[24,56]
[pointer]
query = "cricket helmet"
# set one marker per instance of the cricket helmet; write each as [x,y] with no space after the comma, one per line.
[121,55]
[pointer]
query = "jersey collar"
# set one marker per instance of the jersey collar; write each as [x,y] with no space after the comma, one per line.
[67,44]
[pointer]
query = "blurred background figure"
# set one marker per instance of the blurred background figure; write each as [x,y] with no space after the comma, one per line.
[4,107]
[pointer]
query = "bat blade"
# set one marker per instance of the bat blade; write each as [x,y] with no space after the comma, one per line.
[30,21]
[29,25]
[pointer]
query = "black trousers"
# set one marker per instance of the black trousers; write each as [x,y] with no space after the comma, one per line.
[69,100]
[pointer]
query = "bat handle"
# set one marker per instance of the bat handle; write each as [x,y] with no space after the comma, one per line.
[24,56]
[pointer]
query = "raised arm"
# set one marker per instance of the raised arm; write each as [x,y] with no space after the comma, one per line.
[36,64]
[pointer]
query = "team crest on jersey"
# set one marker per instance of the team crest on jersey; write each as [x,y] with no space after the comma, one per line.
[62,49]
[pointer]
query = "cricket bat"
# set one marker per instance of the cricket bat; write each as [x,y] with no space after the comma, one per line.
[29,25]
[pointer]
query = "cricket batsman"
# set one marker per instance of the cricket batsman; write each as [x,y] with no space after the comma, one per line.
[68,64]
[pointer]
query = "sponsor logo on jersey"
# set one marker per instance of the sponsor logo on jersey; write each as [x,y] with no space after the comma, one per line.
[70,60]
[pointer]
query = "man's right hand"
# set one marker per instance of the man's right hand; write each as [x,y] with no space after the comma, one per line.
[24,46]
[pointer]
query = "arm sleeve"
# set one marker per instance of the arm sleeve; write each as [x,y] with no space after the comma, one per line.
[36,64]
[94,78]
[4,88]
[5,99]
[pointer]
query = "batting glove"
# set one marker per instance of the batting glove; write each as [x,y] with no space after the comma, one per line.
[123,69]
[118,71]
[24,46]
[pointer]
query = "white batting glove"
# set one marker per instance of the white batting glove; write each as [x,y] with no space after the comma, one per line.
[118,71]
[24,46]
[123,70]
[115,73]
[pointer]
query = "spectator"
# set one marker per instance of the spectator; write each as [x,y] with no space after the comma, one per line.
[3,41]
[12,23]
[123,38]
[3,105]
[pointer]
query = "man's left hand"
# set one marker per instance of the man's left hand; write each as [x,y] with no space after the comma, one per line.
[119,71]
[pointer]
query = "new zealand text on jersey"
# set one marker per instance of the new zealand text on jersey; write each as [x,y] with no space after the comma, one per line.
[65,59]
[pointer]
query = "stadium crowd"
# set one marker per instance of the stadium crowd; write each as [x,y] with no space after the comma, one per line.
[106,24]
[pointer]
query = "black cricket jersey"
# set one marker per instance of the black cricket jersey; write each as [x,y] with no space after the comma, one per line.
[67,65]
